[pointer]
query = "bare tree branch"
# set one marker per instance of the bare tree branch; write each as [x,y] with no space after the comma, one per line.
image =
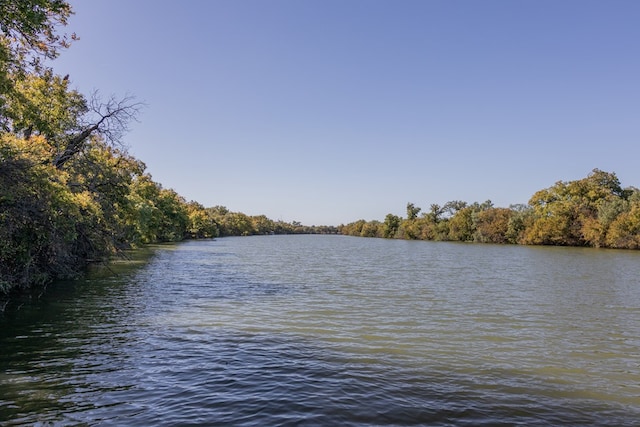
[108,119]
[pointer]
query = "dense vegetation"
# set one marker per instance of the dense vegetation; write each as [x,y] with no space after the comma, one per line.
[594,211]
[69,193]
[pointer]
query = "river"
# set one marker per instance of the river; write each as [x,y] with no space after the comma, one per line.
[331,331]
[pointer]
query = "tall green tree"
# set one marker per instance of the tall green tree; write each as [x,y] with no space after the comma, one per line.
[373,229]
[43,104]
[28,37]
[412,211]
[31,26]
[391,226]
[409,228]
[202,225]
[157,214]
[33,100]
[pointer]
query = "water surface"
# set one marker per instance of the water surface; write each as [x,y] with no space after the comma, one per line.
[332,330]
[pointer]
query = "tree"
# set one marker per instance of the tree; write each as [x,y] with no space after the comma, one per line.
[236,224]
[624,230]
[435,212]
[173,216]
[554,219]
[108,119]
[42,104]
[596,227]
[391,226]
[412,211]
[353,228]
[519,221]
[201,223]
[372,229]
[263,225]
[35,101]
[32,27]
[105,174]
[461,225]
[47,229]
[54,220]
[409,228]
[453,206]
[28,35]
[492,225]
[568,213]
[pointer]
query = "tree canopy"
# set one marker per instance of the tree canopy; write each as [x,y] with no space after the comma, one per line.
[594,211]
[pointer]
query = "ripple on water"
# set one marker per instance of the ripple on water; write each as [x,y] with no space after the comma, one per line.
[325,330]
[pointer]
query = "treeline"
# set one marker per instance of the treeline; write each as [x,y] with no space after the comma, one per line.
[69,193]
[56,220]
[594,211]
[239,224]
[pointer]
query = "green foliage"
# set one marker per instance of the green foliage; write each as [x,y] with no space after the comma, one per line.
[575,213]
[44,223]
[373,229]
[624,231]
[593,211]
[28,34]
[32,25]
[519,220]
[362,228]
[44,105]
[158,214]
[239,224]
[461,225]
[352,229]
[412,211]
[391,226]
[492,225]
[201,223]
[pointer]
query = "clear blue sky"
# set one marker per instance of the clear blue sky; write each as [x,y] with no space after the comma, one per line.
[329,111]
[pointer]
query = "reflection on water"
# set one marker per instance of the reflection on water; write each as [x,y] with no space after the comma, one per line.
[332,330]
